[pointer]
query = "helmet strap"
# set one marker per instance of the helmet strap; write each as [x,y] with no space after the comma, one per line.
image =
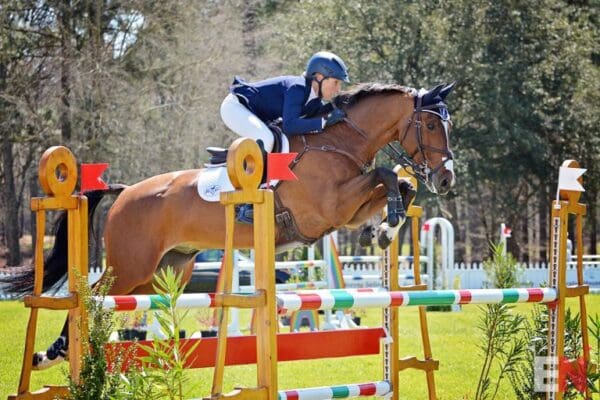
[320,82]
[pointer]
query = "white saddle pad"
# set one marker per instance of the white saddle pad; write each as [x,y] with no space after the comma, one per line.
[214,180]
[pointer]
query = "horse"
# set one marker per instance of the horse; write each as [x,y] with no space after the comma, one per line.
[162,220]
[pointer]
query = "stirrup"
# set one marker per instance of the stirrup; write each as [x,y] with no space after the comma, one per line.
[245,214]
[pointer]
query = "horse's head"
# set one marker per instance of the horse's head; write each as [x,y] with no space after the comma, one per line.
[426,139]
[418,120]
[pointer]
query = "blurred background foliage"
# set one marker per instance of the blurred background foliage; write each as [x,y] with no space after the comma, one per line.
[138,84]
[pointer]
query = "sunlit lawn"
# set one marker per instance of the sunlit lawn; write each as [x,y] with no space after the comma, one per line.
[453,338]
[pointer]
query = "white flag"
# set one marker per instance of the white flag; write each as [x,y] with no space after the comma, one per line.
[567,179]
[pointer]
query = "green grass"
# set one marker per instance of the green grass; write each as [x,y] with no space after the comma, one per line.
[453,339]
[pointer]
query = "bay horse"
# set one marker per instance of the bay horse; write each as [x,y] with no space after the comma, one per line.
[163,221]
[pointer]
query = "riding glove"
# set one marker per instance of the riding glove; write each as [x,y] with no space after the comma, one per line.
[337,115]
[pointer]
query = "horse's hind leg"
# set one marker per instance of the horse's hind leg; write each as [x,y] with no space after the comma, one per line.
[181,262]
[56,353]
[141,263]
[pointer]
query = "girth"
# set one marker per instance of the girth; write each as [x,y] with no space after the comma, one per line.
[285,221]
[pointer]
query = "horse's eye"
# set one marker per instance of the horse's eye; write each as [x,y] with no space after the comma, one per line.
[430,126]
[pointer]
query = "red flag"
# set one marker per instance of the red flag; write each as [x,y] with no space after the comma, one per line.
[91,177]
[575,371]
[507,231]
[426,227]
[278,167]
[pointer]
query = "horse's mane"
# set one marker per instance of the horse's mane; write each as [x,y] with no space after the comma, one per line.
[355,94]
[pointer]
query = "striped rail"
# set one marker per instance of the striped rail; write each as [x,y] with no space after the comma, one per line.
[372,298]
[347,298]
[380,388]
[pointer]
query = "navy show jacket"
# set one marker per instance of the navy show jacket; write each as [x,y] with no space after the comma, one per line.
[283,97]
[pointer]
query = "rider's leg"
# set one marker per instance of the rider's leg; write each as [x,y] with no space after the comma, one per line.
[243,122]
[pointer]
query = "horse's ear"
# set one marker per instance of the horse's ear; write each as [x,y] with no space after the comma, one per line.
[430,96]
[436,90]
[445,91]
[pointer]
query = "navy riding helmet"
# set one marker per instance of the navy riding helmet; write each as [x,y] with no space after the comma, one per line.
[328,64]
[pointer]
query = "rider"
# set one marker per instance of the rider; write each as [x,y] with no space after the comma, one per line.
[300,102]
[296,100]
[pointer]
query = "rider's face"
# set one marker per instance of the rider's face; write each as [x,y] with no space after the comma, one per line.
[329,86]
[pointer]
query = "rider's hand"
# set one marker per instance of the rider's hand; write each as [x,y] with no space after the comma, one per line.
[337,115]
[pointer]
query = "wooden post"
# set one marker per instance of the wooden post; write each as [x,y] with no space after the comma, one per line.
[428,364]
[245,169]
[58,178]
[567,204]
[391,348]
[582,306]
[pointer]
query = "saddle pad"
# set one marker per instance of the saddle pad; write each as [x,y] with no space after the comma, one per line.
[214,180]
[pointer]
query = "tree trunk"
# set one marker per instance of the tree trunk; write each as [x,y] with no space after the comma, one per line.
[544,212]
[33,192]
[249,25]
[8,192]
[592,220]
[65,73]
[11,209]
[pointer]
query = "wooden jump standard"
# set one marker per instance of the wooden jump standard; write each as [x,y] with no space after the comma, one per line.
[58,177]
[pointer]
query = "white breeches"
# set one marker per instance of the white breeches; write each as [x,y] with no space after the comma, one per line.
[243,122]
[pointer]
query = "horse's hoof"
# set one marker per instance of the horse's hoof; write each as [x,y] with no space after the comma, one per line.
[387,232]
[385,235]
[366,236]
[41,361]
[383,241]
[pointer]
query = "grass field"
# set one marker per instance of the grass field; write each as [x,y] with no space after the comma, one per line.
[453,338]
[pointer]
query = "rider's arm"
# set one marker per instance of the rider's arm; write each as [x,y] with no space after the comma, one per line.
[293,124]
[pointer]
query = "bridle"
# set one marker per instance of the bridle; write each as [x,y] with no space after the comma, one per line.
[422,170]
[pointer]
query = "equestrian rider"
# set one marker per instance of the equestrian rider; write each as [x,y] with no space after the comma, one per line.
[301,103]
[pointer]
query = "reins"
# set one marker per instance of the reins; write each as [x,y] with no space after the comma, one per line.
[421,170]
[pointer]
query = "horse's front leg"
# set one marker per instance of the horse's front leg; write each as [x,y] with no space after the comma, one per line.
[367,211]
[385,232]
[369,193]
[396,212]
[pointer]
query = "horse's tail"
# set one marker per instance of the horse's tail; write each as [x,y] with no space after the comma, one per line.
[55,265]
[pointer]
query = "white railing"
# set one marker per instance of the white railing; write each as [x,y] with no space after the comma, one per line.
[364,271]
[355,265]
[473,276]
[249,265]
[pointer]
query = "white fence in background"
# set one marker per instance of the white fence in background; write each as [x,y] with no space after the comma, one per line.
[467,276]
[364,271]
